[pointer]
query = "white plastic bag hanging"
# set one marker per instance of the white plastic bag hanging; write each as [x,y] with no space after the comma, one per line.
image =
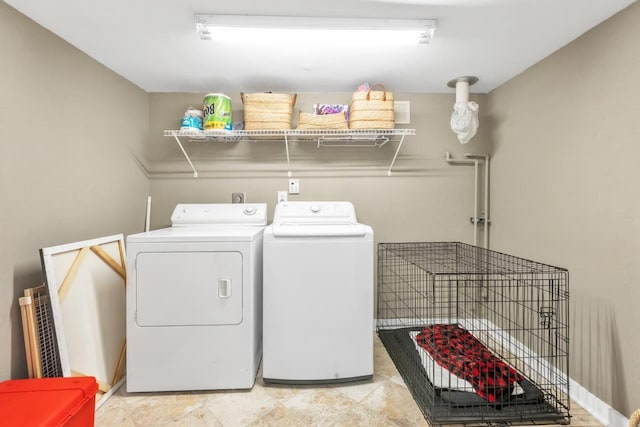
[464,120]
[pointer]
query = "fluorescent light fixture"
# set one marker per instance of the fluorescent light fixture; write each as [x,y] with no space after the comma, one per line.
[314,30]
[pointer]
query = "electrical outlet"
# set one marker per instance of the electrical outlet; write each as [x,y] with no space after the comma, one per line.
[282,196]
[294,186]
[238,197]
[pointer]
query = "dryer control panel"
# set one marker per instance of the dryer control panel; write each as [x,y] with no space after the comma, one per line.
[219,213]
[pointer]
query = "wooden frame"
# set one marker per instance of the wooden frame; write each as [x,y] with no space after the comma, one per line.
[39,337]
[30,332]
[86,282]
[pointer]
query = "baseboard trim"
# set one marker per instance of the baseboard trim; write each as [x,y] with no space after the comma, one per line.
[596,407]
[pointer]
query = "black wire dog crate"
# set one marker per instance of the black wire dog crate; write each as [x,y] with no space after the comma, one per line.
[479,337]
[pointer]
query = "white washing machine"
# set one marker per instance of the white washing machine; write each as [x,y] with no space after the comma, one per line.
[318,294]
[194,300]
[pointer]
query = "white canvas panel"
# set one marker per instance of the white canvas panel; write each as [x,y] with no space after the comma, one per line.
[88,303]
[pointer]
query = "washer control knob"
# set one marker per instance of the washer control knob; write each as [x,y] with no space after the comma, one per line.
[249,210]
[315,208]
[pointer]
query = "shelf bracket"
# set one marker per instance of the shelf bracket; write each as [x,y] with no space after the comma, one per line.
[352,141]
[395,156]
[324,138]
[286,146]
[195,172]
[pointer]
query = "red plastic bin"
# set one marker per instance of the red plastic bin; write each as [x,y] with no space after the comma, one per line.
[48,402]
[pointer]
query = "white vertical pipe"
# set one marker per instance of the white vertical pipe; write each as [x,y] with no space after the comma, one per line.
[475,162]
[462,91]
[487,218]
[475,203]
[147,220]
[486,202]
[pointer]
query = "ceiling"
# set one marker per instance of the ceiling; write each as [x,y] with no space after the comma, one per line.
[154,43]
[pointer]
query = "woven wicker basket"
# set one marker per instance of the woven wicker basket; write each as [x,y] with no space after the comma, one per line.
[373,115]
[268,111]
[372,109]
[322,121]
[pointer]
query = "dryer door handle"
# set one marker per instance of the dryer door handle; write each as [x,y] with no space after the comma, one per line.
[224,288]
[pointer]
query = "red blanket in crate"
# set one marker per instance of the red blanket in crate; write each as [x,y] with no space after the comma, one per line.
[457,350]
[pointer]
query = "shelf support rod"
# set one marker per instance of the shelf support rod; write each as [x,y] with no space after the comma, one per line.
[286,146]
[395,155]
[384,140]
[195,172]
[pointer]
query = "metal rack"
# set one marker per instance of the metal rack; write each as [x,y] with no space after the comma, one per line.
[322,137]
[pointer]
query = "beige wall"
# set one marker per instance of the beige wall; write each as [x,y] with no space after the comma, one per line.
[68,128]
[564,190]
[424,199]
[564,137]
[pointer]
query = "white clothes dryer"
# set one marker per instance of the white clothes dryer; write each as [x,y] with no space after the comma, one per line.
[318,294]
[194,300]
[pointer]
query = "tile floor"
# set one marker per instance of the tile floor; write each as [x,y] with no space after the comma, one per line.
[384,401]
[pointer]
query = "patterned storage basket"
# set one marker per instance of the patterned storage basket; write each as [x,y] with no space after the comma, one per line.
[372,109]
[268,111]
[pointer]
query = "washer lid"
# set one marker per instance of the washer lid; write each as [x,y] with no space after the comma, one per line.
[316,219]
[219,213]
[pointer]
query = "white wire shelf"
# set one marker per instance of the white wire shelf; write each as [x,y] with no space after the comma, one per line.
[305,134]
[322,137]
